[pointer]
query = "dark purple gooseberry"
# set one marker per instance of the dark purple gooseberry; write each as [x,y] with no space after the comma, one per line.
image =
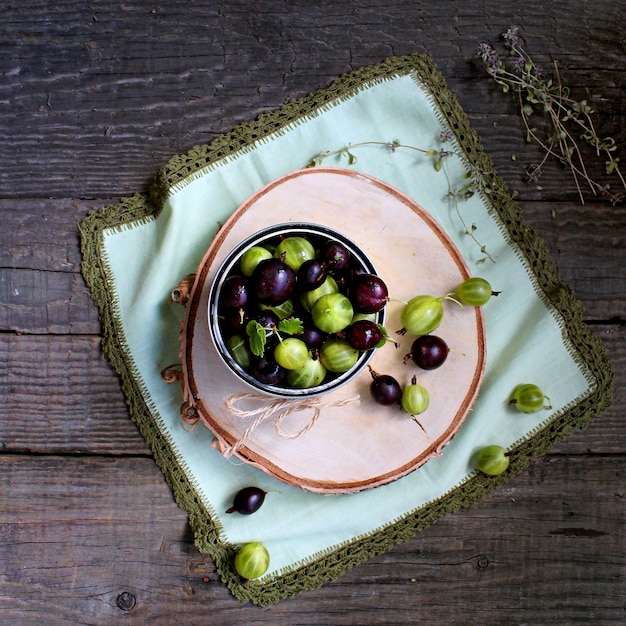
[364,335]
[335,256]
[273,281]
[312,336]
[267,371]
[236,319]
[429,352]
[234,292]
[311,274]
[268,320]
[247,501]
[357,270]
[385,389]
[368,293]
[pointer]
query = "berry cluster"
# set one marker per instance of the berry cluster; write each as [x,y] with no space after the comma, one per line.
[298,311]
[420,316]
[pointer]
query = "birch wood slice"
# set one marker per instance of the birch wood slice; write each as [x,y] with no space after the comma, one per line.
[354,443]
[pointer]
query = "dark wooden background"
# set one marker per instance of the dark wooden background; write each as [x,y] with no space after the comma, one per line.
[94,98]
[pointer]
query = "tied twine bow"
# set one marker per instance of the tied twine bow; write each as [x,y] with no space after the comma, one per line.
[280,408]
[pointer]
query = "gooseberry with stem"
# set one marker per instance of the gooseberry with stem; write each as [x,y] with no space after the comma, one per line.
[492,460]
[385,389]
[529,398]
[335,255]
[415,398]
[428,352]
[273,281]
[247,501]
[475,291]
[311,274]
[422,315]
[291,353]
[294,251]
[364,335]
[234,292]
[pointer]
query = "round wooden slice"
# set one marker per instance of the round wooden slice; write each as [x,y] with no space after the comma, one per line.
[351,442]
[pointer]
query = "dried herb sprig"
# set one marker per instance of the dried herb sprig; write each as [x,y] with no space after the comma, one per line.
[439,158]
[570,120]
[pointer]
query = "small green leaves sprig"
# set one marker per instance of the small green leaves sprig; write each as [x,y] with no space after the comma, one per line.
[259,334]
[439,156]
[569,121]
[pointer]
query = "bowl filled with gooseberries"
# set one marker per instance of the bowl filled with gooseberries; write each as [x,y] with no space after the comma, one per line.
[296,310]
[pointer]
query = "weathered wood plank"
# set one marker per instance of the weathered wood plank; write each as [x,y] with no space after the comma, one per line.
[93,100]
[41,290]
[58,395]
[42,234]
[46,302]
[127,88]
[548,548]
[126,159]
[587,243]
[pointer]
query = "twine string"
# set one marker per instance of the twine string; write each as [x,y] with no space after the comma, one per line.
[280,409]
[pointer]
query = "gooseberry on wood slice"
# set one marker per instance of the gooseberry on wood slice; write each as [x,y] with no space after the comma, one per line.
[475,291]
[428,352]
[385,389]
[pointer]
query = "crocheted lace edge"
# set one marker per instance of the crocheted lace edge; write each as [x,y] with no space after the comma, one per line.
[586,349]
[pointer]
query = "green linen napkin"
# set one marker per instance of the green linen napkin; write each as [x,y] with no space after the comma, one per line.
[135,252]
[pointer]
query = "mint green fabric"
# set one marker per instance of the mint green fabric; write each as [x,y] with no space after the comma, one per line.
[136,252]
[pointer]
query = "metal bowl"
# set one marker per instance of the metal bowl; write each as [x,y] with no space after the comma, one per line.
[229,266]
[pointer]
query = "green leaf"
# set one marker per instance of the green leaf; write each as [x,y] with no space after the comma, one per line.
[432,153]
[291,326]
[257,336]
[438,164]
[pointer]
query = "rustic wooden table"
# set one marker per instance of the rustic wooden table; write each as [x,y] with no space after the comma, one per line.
[95,97]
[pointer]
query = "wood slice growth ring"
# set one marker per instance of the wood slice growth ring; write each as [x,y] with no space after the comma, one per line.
[355,443]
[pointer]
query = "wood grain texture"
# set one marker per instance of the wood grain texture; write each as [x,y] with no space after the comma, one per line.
[42,290]
[94,99]
[60,396]
[74,545]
